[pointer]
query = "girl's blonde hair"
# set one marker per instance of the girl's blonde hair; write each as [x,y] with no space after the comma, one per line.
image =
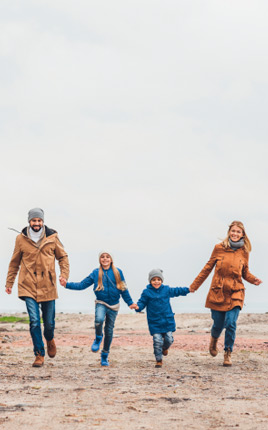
[119,283]
[239,224]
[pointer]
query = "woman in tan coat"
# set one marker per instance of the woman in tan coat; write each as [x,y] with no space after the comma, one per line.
[226,294]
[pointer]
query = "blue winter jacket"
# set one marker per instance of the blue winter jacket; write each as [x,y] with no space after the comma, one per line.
[160,316]
[110,294]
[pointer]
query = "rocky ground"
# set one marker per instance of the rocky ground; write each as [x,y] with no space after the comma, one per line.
[191,391]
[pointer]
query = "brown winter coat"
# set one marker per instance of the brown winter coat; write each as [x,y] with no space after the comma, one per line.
[37,277]
[227,289]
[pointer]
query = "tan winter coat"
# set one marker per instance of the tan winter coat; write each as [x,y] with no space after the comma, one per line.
[227,289]
[37,277]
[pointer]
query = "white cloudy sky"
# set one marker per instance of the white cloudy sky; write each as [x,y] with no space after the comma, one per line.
[138,126]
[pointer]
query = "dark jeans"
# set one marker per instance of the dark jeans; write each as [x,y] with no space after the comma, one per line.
[161,341]
[225,320]
[48,315]
[102,313]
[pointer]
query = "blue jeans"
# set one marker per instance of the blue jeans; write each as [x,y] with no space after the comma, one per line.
[102,313]
[225,320]
[161,341]
[48,315]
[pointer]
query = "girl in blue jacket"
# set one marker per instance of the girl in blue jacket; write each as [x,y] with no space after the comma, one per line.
[109,286]
[160,317]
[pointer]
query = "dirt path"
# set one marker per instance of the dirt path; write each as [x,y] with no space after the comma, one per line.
[192,391]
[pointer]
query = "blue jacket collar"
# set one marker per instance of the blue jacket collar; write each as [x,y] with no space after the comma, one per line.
[149,286]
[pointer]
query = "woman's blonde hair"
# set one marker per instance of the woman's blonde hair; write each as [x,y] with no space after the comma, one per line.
[119,283]
[239,224]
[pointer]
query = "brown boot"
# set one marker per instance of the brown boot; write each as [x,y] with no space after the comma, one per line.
[51,348]
[227,358]
[158,364]
[213,346]
[39,361]
[165,352]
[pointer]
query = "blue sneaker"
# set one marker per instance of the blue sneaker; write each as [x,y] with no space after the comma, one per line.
[96,344]
[104,359]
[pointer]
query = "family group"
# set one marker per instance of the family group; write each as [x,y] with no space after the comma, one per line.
[37,247]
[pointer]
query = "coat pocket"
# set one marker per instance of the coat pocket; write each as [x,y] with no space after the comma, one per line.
[238,294]
[216,295]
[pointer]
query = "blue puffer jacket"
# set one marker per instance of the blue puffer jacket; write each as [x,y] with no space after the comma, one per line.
[110,294]
[160,316]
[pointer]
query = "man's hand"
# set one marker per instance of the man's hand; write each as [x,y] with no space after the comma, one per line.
[8,290]
[63,281]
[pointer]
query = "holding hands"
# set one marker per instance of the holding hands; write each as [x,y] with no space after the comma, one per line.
[63,281]
[133,306]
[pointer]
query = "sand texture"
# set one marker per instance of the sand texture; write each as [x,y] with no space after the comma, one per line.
[191,391]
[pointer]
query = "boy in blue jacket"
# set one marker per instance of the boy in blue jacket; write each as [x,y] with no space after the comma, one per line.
[160,317]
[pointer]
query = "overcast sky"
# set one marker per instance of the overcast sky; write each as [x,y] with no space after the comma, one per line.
[139,127]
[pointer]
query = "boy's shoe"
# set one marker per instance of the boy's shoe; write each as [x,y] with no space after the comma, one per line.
[96,344]
[104,359]
[158,364]
[213,350]
[39,361]
[51,348]
[165,352]
[227,358]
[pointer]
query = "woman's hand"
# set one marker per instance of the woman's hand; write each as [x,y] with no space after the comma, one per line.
[257,281]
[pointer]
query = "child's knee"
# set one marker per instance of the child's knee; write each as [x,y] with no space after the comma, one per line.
[158,339]
[169,338]
[98,323]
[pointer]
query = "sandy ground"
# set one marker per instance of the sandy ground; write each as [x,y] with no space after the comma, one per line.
[191,391]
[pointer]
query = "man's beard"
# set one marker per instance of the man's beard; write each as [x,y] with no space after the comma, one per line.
[36,228]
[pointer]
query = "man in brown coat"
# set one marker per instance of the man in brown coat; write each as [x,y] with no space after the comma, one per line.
[36,249]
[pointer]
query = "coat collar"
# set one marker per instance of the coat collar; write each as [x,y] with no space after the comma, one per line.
[150,287]
[47,238]
[48,231]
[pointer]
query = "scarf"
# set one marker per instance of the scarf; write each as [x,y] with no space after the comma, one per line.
[36,235]
[236,245]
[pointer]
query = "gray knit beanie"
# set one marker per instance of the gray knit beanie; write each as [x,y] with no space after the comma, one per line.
[35,213]
[154,273]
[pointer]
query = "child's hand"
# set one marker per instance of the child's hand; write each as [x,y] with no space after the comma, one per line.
[63,281]
[191,290]
[134,306]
